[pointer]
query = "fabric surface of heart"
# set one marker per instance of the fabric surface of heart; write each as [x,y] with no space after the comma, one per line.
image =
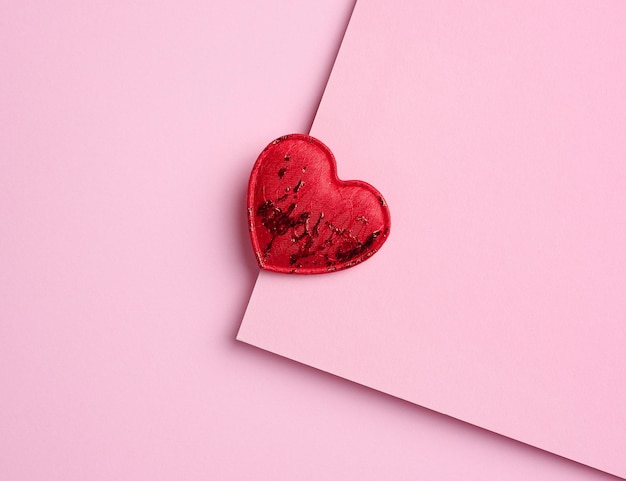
[303,219]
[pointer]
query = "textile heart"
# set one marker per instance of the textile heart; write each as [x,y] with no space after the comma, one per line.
[303,219]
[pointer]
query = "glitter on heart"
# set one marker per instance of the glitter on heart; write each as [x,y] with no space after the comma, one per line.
[303,219]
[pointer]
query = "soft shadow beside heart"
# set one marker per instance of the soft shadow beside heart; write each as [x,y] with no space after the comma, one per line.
[241,237]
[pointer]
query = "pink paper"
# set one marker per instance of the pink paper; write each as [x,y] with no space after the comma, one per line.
[496,133]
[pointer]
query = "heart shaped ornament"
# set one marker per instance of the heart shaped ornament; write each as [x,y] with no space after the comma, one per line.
[303,219]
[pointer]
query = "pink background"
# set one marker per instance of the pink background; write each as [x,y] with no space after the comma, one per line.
[128,130]
[495,131]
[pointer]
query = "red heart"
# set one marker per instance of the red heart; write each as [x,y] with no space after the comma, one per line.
[303,219]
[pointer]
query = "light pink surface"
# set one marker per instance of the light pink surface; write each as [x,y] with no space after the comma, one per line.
[496,133]
[127,133]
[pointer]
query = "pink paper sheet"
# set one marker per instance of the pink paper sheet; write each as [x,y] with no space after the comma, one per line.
[496,133]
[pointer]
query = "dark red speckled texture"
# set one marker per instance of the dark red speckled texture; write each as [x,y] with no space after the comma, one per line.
[303,219]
